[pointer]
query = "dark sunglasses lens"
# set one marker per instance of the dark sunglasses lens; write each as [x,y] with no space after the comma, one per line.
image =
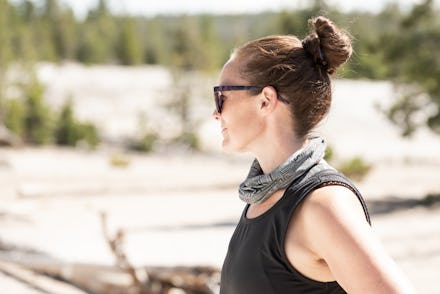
[218,101]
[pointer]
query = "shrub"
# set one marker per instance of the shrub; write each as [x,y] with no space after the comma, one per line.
[89,134]
[66,132]
[14,116]
[119,160]
[355,168]
[38,118]
[146,143]
[188,139]
[329,153]
[69,131]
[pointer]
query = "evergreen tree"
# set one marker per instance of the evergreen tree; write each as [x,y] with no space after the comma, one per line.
[153,36]
[97,36]
[292,23]
[64,34]
[69,131]
[130,51]
[38,118]
[295,22]
[210,44]
[15,114]
[186,45]
[66,132]
[412,54]
[5,51]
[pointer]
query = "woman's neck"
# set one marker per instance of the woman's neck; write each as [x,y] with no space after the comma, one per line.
[273,154]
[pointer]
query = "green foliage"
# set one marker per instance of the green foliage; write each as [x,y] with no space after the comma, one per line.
[97,36]
[147,139]
[210,43]
[180,105]
[43,37]
[329,153]
[90,49]
[32,120]
[64,35]
[430,199]
[97,39]
[38,120]
[129,48]
[66,132]
[414,60]
[146,143]
[402,110]
[69,132]
[391,44]
[88,133]
[119,160]
[6,48]
[15,116]
[293,22]
[189,140]
[355,168]
[23,44]
[156,50]
[187,53]
[5,33]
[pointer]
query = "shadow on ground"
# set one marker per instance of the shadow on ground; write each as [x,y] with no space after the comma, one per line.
[393,204]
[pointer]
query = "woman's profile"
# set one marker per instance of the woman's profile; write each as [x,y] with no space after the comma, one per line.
[305,227]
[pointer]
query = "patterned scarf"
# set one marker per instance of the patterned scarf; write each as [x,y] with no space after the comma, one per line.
[258,187]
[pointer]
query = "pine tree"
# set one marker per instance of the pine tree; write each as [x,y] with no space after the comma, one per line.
[412,54]
[129,46]
[5,51]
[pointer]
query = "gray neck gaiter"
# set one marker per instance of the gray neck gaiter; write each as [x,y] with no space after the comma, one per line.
[258,187]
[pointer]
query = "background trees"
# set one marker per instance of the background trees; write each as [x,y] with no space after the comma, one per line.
[413,61]
[392,44]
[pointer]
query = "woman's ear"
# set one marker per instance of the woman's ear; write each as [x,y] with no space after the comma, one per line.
[268,99]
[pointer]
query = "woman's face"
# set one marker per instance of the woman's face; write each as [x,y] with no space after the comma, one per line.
[239,120]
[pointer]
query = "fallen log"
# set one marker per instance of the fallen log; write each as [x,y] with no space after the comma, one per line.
[190,280]
[122,278]
[32,280]
[91,278]
[112,280]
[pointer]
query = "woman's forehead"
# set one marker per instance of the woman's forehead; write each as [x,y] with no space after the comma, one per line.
[231,73]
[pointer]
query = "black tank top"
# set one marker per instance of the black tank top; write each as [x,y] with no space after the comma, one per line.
[256,262]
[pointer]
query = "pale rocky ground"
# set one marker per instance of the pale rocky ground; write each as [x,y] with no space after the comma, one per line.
[180,208]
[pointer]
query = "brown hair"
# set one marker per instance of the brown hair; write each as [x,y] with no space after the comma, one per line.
[299,70]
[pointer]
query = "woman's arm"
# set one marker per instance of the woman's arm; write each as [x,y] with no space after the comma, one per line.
[336,230]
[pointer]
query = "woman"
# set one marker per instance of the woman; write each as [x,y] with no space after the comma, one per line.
[305,228]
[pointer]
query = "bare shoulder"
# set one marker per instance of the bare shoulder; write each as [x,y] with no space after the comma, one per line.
[328,214]
[334,197]
[335,229]
[334,203]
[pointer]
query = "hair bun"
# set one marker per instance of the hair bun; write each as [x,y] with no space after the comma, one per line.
[328,45]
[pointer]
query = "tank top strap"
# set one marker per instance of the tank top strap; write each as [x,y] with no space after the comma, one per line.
[301,188]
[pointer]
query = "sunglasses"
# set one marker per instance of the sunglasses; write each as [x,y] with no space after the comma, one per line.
[219,98]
